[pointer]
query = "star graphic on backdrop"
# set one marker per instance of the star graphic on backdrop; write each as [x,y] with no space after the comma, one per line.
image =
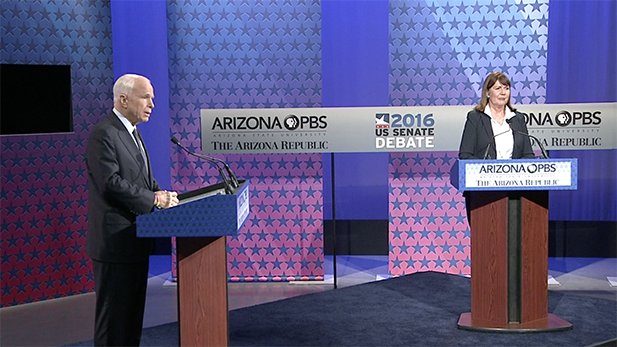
[425,262]
[395,263]
[431,219]
[453,234]
[417,219]
[395,234]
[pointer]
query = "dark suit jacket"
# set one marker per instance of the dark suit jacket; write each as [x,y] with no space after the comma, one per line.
[120,188]
[478,134]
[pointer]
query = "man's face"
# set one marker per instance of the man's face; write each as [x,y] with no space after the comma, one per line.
[139,103]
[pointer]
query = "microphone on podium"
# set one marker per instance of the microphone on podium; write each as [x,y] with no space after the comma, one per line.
[229,183]
[490,143]
[544,153]
[232,177]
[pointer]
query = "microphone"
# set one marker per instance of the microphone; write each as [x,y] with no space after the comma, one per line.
[490,143]
[487,148]
[228,185]
[544,153]
[230,174]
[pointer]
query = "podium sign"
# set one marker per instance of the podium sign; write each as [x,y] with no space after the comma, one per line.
[507,204]
[520,174]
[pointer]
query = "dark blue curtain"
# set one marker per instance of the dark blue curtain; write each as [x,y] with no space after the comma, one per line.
[582,68]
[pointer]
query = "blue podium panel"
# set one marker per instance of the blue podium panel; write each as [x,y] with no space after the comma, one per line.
[206,212]
[516,174]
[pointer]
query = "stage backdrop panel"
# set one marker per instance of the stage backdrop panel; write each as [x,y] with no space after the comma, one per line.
[228,55]
[43,185]
[440,53]
[428,222]
[568,81]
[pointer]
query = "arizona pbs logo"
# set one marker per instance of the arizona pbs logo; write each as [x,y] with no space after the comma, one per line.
[564,119]
[266,122]
[562,125]
[408,131]
[293,122]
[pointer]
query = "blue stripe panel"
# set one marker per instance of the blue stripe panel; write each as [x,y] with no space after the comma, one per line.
[354,53]
[355,73]
[582,52]
[139,33]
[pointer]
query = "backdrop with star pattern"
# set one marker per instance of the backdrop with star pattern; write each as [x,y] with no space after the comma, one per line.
[254,54]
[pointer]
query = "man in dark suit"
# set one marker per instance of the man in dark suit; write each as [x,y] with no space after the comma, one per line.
[121,186]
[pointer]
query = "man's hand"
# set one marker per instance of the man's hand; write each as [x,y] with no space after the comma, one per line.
[165,199]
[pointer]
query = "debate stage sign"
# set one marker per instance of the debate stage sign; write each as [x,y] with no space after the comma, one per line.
[393,129]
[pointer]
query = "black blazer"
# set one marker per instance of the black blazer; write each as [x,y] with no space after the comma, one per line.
[120,188]
[478,134]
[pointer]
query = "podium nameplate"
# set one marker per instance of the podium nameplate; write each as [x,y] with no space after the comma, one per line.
[518,174]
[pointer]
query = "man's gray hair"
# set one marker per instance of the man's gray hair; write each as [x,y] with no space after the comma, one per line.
[124,85]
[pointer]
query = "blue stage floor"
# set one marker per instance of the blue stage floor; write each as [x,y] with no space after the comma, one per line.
[68,320]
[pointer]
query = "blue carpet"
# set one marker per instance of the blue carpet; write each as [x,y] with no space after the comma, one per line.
[415,310]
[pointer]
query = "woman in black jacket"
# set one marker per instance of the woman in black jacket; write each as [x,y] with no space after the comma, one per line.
[494,129]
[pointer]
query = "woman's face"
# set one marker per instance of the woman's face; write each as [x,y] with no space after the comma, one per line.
[498,95]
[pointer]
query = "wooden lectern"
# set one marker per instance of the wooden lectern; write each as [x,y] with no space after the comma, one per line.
[200,224]
[508,204]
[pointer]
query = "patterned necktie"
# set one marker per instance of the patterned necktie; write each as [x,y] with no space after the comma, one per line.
[141,148]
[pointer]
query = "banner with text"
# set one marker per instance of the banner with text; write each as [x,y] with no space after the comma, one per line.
[393,129]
